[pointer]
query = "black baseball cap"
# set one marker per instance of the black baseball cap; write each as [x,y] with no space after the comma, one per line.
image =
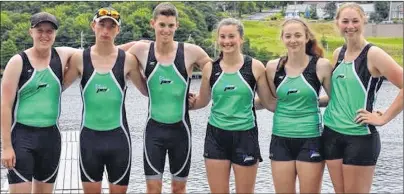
[44,17]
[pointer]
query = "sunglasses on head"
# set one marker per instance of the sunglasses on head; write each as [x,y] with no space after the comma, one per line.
[105,12]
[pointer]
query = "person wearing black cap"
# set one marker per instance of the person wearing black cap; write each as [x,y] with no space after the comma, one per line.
[104,138]
[30,107]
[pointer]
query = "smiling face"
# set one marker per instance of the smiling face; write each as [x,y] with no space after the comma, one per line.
[229,39]
[43,35]
[105,30]
[294,37]
[164,28]
[350,23]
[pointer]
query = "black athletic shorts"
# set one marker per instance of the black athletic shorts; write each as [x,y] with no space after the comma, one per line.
[362,150]
[301,149]
[240,147]
[37,151]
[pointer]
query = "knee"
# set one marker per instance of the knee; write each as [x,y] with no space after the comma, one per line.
[178,187]
[154,186]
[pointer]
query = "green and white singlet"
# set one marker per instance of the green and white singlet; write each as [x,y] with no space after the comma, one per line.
[37,101]
[168,86]
[233,97]
[103,95]
[352,88]
[297,113]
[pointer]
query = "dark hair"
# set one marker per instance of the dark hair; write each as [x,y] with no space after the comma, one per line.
[312,46]
[165,9]
[227,22]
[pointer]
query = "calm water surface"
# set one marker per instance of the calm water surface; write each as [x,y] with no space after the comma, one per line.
[389,170]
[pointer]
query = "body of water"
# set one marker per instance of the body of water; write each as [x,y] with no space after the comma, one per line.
[389,170]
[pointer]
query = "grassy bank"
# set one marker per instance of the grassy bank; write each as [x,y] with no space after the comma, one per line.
[266,35]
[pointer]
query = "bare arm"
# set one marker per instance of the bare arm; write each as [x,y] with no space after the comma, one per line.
[9,87]
[384,65]
[324,71]
[201,57]
[204,95]
[270,74]
[127,46]
[266,99]
[73,71]
[66,54]
[135,74]
[323,101]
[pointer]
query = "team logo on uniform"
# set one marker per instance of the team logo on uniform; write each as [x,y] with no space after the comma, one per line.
[42,85]
[342,76]
[314,154]
[293,91]
[248,158]
[230,87]
[152,63]
[100,88]
[165,80]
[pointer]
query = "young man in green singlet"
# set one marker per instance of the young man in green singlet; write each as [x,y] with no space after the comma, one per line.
[168,65]
[104,138]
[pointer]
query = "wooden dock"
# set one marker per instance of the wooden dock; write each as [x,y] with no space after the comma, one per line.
[68,179]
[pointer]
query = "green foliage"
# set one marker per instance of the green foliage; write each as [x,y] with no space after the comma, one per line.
[8,49]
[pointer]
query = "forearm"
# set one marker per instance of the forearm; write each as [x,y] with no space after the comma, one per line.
[268,103]
[199,103]
[395,108]
[5,127]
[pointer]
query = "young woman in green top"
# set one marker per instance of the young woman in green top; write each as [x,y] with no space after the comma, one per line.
[232,134]
[296,148]
[351,141]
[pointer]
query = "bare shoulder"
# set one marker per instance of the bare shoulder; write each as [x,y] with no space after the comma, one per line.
[272,64]
[336,53]
[337,50]
[375,51]
[15,60]
[257,64]
[189,46]
[194,49]
[13,67]
[323,63]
